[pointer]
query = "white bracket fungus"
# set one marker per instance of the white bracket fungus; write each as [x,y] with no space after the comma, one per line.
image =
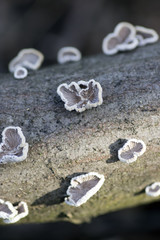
[22,211]
[81,96]
[132,149]
[146,35]
[123,38]
[20,72]
[68,54]
[13,147]
[29,58]
[153,190]
[7,210]
[83,187]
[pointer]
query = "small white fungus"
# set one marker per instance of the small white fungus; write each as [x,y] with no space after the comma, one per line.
[83,187]
[146,35]
[153,190]
[7,210]
[13,147]
[131,150]
[123,38]
[68,54]
[20,72]
[29,58]
[81,96]
[22,211]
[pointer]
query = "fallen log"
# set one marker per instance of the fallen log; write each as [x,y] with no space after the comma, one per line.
[63,144]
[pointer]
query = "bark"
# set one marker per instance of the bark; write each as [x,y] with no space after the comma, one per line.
[63,144]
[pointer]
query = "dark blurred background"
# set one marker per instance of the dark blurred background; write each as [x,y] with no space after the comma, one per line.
[48,25]
[138,223]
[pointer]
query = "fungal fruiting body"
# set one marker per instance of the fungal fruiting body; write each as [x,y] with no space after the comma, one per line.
[7,210]
[11,214]
[22,211]
[20,72]
[153,190]
[83,187]
[123,38]
[29,58]
[80,96]
[146,35]
[131,150]
[13,147]
[68,54]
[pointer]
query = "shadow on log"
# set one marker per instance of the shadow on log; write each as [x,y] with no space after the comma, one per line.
[57,196]
[114,147]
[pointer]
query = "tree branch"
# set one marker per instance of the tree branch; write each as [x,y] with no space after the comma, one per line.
[63,144]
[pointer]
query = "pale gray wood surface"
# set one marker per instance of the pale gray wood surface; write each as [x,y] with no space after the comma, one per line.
[63,143]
